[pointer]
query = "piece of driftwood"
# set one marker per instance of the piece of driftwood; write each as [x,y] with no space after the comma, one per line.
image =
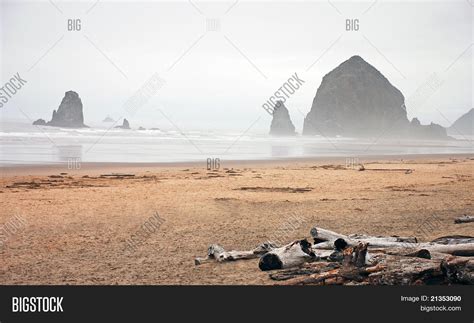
[113,175]
[305,269]
[352,268]
[459,269]
[290,254]
[381,238]
[454,239]
[405,170]
[399,270]
[294,254]
[337,259]
[331,277]
[326,239]
[355,256]
[461,249]
[217,253]
[464,219]
[420,253]
[388,270]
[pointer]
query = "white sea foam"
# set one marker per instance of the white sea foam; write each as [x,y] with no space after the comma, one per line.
[27,144]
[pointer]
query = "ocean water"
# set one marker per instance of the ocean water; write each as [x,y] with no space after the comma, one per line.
[27,144]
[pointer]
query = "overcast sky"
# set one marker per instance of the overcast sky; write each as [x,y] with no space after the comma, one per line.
[220,79]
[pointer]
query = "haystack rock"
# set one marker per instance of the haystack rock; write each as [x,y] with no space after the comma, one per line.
[281,122]
[69,113]
[125,125]
[464,125]
[356,100]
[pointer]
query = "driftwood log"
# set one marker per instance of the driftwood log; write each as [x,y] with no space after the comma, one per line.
[360,260]
[455,239]
[459,269]
[217,253]
[291,255]
[464,219]
[326,239]
[387,270]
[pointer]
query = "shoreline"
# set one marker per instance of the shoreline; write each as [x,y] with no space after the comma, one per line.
[40,169]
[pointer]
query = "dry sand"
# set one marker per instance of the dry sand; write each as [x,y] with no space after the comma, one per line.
[75,227]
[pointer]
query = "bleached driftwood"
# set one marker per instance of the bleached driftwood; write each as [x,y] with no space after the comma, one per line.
[464,219]
[462,249]
[454,239]
[345,259]
[325,239]
[294,254]
[323,235]
[217,253]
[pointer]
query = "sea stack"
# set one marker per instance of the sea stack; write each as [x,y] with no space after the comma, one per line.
[39,122]
[356,100]
[281,122]
[464,125]
[125,125]
[69,113]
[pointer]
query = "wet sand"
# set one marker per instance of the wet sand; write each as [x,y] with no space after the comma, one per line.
[75,223]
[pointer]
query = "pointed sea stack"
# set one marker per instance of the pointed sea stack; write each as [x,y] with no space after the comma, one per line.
[281,122]
[125,125]
[69,113]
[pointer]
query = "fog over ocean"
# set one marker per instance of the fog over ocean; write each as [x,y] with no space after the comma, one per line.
[23,143]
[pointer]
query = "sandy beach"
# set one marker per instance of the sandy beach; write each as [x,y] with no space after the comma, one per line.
[75,223]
